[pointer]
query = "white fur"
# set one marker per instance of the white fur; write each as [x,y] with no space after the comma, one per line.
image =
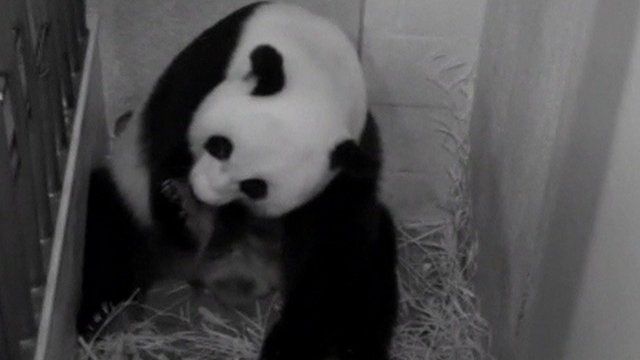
[129,171]
[286,138]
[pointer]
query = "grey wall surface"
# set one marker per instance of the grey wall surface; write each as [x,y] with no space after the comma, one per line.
[549,83]
[139,38]
[606,317]
[419,57]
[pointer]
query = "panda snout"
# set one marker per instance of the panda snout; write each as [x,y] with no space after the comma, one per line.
[213,188]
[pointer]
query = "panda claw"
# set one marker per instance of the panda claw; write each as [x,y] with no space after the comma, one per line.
[170,190]
[166,184]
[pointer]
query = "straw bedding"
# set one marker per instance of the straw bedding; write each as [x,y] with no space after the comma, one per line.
[439,317]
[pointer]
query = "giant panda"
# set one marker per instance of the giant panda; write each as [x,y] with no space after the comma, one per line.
[265,114]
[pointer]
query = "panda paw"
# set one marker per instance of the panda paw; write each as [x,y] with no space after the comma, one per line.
[174,191]
[170,189]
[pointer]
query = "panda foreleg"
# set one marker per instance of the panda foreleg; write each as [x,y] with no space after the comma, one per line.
[341,291]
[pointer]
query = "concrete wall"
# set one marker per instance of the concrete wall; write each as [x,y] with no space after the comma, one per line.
[606,317]
[550,80]
[139,38]
[419,58]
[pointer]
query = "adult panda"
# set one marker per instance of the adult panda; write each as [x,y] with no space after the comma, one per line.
[284,130]
[267,111]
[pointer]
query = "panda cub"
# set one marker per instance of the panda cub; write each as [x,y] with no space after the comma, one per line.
[237,257]
[242,265]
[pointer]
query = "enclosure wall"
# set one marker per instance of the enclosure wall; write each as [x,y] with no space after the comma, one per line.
[551,79]
[606,322]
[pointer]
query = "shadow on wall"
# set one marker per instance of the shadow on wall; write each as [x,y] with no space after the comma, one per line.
[139,38]
[581,171]
[542,129]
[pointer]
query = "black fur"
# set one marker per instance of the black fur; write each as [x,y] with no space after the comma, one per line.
[339,270]
[349,157]
[266,67]
[193,74]
[113,266]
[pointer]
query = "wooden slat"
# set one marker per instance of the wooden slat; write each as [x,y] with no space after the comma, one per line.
[56,335]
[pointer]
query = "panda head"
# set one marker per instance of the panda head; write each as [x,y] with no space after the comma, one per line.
[274,135]
[273,175]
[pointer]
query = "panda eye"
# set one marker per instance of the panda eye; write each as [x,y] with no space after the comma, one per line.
[220,147]
[254,188]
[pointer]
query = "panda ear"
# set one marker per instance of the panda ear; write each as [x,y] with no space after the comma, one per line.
[350,158]
[266,67]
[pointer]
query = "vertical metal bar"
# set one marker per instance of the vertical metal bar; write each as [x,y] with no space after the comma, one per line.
[49,154]
[65,14]
[51,88]
[47,55]
[60,61]
[36,131]
[40,96]
[5,347]
[15,303]
[83,31]
[62,294]
[42,87]
[73,10]
[9,125]
[26,181]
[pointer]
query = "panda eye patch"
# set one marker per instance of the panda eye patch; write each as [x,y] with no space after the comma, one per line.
[220,147]
[254,188]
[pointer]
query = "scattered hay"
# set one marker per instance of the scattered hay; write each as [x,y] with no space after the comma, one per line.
[438,318]
[438,314]
[178,333]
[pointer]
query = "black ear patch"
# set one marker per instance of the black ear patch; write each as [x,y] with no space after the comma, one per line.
[220,147]
[266,67]
[349,157]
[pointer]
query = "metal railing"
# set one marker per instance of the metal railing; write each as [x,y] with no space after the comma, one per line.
[41,48]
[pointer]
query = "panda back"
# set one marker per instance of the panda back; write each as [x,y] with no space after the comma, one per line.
[321,65]
[130,172]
